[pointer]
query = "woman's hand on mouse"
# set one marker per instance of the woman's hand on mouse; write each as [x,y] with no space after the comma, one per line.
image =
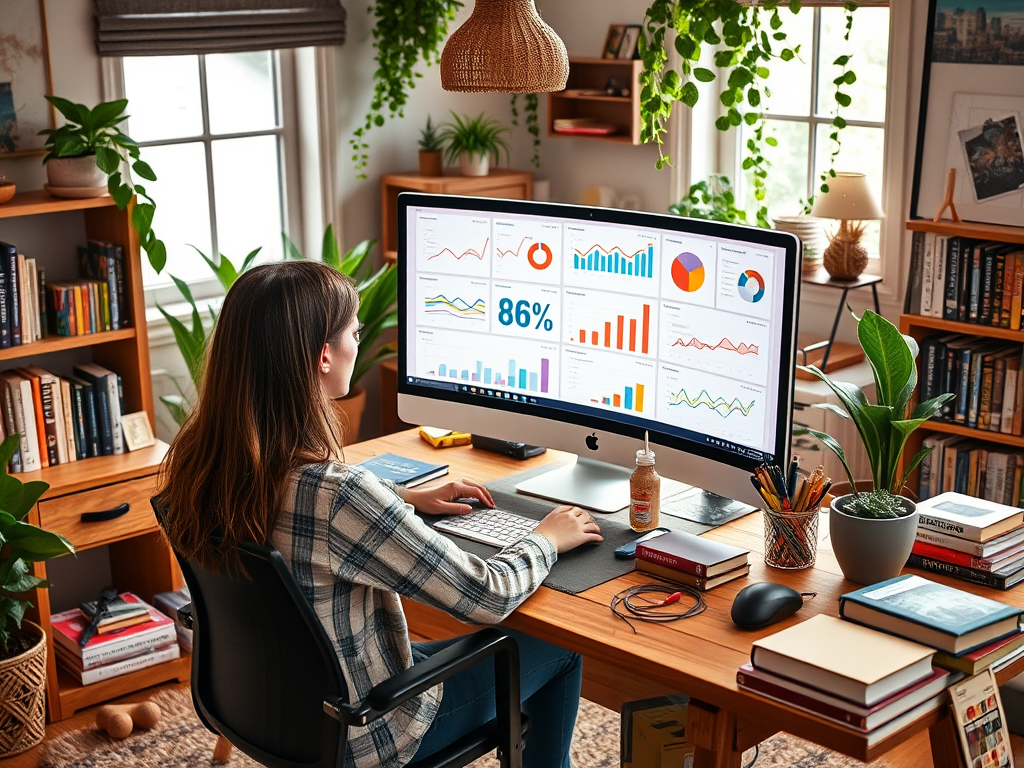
[441,499]
[568,527]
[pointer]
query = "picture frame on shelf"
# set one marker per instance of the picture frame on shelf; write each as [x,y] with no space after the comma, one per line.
[613,41]
[628,46]
[978,134]
[25,80]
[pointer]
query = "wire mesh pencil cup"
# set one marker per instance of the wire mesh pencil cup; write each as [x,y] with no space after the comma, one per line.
[791,540]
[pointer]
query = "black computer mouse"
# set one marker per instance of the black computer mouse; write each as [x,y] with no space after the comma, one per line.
[764,603]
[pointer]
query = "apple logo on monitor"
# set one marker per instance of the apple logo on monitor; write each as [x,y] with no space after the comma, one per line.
[592,441]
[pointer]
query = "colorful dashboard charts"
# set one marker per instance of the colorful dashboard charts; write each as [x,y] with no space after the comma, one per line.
[688,272]
[539,255]
[751,286]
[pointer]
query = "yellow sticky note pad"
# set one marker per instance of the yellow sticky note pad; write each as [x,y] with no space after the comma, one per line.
[444,438]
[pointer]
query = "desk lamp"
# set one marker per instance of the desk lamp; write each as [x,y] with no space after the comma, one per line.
[849,200]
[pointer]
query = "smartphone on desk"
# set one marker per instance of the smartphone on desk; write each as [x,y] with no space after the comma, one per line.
[626,551]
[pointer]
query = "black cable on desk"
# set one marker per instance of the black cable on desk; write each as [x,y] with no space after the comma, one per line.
[633,602]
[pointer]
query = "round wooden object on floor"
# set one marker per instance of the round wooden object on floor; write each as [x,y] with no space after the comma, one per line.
[22,695]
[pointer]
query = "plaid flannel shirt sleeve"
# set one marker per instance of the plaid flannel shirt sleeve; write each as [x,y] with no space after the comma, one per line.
[377,540]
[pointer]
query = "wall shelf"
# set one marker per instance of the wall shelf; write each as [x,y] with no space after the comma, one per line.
[623,112]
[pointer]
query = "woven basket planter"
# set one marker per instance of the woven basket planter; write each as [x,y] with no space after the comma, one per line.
[22,697]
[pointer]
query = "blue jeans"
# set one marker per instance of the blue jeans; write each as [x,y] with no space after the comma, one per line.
[550,689]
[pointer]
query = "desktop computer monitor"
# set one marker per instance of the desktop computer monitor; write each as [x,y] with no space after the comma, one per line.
[581,328]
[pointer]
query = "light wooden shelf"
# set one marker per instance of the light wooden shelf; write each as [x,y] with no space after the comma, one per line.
[60,343]
[980,434]
[951,326]
[1000,232]
[593,97]
[75,696]
[97,471]
[623,112]
[40,201]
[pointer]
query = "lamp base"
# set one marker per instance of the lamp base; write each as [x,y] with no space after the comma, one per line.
[845,258]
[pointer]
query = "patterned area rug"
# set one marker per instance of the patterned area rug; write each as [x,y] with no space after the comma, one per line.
[180,741]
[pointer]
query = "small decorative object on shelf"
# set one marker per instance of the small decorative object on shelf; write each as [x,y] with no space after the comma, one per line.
[7,189]
[474,143]
[850,200]
[790,515]
[431,150]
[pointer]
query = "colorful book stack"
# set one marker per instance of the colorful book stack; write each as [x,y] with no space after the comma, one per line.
[22,312]
[973,468]
[124,645]
[970,539]
[693,560]
[864,680]
[94,303]
[61,419]
[966,280]
[969,632]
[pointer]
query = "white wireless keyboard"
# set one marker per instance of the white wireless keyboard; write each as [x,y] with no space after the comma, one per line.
[496,527]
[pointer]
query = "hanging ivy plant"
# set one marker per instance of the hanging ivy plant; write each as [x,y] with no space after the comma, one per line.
[404,34]
[846,77]
[532,121]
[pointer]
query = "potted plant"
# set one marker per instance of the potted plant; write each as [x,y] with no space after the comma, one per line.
[873,532]
[474,142]
[22,643]
[431,150]
[90,156]
[711,200]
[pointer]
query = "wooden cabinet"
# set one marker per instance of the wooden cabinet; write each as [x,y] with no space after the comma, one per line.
[584,98]
[500,182]
[120,486]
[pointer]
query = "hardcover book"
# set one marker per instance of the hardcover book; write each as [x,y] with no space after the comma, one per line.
[1004,578]
[691,554]
[967,517]
[104,648]
[945,618]
[981,658]
[403,471]
[976,548]
[700,582]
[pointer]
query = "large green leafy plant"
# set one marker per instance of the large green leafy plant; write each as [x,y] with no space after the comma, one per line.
[21,544]
[378,296]
[884,426]
[95,132]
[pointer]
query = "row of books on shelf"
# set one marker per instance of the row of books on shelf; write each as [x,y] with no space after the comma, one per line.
[966,280]
[891,657]
[31,308]
[693,560]
[132,635]
[971,539]
[971,467]
[61,419]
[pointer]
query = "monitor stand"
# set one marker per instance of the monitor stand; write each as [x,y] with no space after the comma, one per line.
[592,484]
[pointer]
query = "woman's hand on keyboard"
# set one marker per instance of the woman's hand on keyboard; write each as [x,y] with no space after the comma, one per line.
[568,527]
[440,500]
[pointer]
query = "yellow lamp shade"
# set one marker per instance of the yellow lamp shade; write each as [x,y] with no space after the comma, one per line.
[848,197]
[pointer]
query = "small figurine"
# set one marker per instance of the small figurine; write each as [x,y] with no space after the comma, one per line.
[118,720]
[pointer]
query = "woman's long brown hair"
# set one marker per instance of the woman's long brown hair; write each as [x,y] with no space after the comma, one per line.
[262,410]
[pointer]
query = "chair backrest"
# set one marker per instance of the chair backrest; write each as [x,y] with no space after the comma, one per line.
[262,663]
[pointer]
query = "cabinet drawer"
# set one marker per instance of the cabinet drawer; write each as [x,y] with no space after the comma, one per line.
[64,515]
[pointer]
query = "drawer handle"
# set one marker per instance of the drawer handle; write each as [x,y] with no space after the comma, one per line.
[106,514]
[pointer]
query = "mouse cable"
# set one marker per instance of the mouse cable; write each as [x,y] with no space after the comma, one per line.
[634,602]
[757,754]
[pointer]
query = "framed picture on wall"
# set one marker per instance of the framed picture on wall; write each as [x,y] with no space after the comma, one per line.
[24,79]
[972,112]
[627,48]
[613,41]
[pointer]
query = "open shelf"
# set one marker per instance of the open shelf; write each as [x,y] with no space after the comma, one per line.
[979,434]
[623,112]
[75,696]
[60,343]
[40,201]
[951,326]
[591,97]
[1000,232]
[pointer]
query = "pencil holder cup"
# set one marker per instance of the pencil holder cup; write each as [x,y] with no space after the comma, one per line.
[790,540]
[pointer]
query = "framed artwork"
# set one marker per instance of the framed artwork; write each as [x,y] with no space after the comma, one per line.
[972,112]
[24,79]
[627,48]
[613,41]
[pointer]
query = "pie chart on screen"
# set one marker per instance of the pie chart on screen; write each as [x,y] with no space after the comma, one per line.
[688,272]
[751,286]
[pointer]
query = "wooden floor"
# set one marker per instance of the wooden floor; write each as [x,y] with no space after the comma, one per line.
[914,753]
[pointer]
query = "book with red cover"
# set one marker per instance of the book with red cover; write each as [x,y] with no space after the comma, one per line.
[69,625]
[838,710]
[994,562]
[982,658]
[692,554]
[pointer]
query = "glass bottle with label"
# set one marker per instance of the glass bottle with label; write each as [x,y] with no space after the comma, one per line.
[644,491]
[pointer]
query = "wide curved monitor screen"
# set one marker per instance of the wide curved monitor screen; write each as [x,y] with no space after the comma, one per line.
[613,320]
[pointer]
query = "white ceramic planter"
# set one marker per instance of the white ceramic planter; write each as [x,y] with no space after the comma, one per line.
[870,551]
[474,165]
[75,172]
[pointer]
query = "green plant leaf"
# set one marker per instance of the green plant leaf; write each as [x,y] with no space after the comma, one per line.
[833,445]
[108,113]
[330,252]
[914,462]
[177,406]
[157,253]
[19,578]
[32,543]
[142,217]
[832,408]
[891,359]
[142,168]
[356,257]
[69,109]
[703,75]
[107,160]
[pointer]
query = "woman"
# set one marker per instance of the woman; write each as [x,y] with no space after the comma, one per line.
[260,459]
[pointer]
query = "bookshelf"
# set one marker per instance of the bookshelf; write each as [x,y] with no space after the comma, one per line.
[920,327]
[49,228]
[592,75]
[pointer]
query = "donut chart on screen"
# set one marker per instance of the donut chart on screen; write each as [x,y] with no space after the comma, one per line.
[542,260]
[688,272]
[751,286]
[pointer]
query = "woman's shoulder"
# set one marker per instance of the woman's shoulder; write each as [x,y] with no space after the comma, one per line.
[332,477]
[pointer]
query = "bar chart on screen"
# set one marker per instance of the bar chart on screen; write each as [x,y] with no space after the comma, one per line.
[719,342]
[703,402]
[453,244]
[527,249]
[466,358]
[449,301]
[611,258]
[610,321]
[607,380]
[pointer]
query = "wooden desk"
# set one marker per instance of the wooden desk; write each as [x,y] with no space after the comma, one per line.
[698,656]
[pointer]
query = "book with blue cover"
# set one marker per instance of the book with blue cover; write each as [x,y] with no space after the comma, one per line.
[403,471]
[943,617]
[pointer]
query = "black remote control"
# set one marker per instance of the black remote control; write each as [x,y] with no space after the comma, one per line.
[506,448]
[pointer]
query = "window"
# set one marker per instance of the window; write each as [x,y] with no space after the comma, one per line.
[800,109]
[212,128]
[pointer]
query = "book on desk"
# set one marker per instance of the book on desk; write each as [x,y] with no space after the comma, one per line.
[403,471]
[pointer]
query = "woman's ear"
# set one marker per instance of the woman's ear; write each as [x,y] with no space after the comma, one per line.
[325,359]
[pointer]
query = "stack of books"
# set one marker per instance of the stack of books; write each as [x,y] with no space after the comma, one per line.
[169,603]
[857,677]
[970,539]
[133,636]
[692,560]
[969,632]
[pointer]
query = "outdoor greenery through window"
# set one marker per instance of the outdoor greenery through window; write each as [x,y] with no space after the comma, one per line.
[802,104]
[211,128]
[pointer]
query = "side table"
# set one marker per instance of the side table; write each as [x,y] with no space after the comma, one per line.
[823,278]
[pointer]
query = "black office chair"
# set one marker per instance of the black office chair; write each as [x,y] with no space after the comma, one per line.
[265,675]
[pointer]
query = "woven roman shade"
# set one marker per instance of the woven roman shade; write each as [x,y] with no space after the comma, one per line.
[169,27]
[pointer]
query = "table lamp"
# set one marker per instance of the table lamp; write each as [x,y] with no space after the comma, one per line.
[849,200]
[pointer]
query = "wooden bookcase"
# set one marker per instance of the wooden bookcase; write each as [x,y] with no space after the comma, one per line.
[620,111]
[921,327]
[140,561]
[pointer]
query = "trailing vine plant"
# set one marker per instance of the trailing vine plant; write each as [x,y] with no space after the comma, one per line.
[403,34]
[846,77]
[531,120]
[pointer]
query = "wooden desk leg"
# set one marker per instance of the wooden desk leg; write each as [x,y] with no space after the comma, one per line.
[945,744]
[222,750]
[712,731]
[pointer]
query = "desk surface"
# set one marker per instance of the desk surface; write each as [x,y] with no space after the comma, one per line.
[697,656]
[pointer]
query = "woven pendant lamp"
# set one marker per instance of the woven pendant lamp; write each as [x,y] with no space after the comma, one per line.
[504,47]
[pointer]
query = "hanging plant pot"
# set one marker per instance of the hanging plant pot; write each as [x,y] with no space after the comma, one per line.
[23,682]
[353,405]
[431,163]
[474,165]
[75,177]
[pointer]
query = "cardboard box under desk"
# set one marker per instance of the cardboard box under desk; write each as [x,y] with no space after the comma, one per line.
[653,733]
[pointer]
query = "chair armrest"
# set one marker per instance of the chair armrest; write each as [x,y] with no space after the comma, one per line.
[185,616]
[398,689]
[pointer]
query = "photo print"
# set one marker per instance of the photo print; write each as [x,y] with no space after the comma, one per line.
[994,156]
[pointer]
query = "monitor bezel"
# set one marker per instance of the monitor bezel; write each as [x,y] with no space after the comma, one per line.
[741,233]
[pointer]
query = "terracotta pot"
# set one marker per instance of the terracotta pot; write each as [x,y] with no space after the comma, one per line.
[474,165]
[75,172]
[353,405]
[7,190]
[431,164]
[23,681]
